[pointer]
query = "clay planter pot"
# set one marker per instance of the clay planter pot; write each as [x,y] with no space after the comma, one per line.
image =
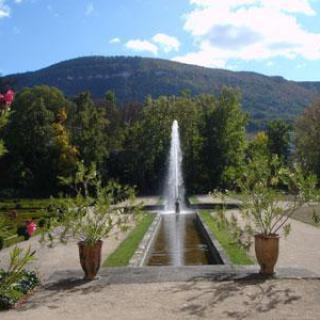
[90,258]
[267,251]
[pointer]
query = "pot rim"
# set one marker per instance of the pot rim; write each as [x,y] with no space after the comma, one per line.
[83,243]
[267,236]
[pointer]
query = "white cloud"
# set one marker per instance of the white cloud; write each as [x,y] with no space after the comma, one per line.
[167,43]
[249,30]
[142,45]
[114,41]
[4,9]
[89,9]
[17,1]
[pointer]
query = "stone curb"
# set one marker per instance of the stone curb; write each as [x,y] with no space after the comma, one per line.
[127,275]
[141,255]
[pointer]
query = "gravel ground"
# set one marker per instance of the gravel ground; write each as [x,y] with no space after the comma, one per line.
[60,257]
[299,250]
[273,299]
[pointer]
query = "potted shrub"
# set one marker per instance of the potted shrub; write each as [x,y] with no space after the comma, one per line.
[90,219]
[267,213]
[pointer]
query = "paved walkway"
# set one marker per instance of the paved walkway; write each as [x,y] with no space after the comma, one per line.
[227,300]
[178,294]
[65,257]
[60,257]
[301,249]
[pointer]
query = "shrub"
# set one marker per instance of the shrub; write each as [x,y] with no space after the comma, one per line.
[28,281]
[16,281]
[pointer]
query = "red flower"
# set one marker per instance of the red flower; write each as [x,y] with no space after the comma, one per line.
[8,97]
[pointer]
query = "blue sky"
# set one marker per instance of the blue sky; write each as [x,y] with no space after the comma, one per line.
[273,37]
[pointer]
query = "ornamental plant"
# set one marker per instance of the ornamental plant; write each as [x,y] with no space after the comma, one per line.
[6,100]
[261,207]
[15,282]
[90,217]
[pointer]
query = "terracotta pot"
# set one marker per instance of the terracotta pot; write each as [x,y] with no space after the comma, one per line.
[90,258]
[267,251]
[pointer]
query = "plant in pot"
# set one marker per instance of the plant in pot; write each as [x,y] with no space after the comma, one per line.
[265,211]
[90,219]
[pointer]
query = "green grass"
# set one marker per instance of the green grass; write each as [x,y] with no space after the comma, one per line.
[122,255]
[193,200]
[236,254]
[25,209]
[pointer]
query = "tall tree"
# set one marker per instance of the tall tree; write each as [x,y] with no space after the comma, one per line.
[307,137]
[31,139]
[88,125]
[224,138]
[278,132]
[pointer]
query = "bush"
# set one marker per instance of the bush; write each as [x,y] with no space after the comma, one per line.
[28,281]
[16,281]
[1,242]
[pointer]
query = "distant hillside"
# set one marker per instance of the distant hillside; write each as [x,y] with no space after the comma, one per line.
[133,78]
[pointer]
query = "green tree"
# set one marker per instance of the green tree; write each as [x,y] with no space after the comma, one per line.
[88,124]
[258,147]
[32,140]
[223,131]
[307,137]
[278,132]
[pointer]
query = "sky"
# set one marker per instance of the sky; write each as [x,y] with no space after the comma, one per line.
[273,37]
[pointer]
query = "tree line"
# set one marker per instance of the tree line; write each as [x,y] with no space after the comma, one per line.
[48,136]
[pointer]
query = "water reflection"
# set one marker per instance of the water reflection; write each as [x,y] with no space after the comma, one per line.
[179,243]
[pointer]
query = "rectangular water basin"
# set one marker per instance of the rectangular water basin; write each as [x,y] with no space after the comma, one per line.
[182,240]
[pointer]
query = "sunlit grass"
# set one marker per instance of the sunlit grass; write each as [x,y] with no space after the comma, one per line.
[236,254]
[122,255]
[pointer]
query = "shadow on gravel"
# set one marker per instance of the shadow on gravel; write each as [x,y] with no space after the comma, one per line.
[51,295]
[237,299]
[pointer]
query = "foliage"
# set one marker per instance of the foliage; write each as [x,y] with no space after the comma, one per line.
[67,154]
[261,207]
[224,138]
[234,250]
[90,218]
[278,132]
[307,137]
[87,126]
[15,281]
[81,179]
[31,139]
[258,146]
[122,255]
[50,137]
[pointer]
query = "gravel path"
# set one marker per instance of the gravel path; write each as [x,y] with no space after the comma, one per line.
[60,257]
[301,249]
[237,300]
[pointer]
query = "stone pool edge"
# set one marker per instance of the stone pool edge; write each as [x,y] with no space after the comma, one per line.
[143,252]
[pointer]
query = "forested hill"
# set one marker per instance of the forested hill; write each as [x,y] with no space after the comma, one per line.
[133,78]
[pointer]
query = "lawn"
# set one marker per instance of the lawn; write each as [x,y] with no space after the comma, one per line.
[236,254]
[122,255]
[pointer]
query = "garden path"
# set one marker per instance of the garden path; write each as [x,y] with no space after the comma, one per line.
[194,299]
[301,249]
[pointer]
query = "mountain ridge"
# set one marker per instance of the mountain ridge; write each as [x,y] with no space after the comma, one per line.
[134,78]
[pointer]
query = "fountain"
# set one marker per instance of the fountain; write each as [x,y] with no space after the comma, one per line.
[174,193]
[179,240]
